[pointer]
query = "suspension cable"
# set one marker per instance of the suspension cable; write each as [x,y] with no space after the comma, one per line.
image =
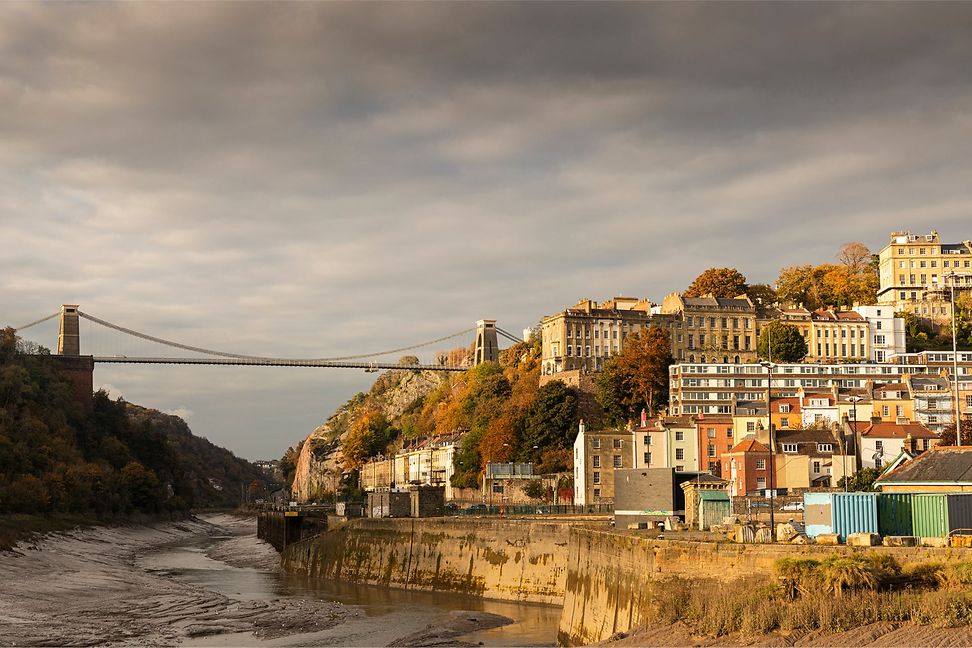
[508,335]
[40,321]
[240,356]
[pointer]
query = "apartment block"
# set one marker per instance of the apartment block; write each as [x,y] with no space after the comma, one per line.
[711,329]
[597,453]
[886,333]
[913,269]
[583,336]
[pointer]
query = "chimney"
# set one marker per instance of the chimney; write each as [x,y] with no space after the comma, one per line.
[875,420]
[644,417]
[910,443]
[580,427]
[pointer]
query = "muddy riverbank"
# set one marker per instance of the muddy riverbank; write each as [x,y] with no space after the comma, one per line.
[209,582]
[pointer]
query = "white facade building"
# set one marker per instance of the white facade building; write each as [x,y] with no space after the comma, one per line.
[886,331]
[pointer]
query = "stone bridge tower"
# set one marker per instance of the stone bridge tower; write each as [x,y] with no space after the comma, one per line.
[69,336]
[487,348]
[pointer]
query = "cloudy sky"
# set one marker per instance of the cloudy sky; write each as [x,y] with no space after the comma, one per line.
[321,179]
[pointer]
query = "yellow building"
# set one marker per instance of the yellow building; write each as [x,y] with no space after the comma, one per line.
[912,273]
[584,336]
[892,403]
[711,329]
[837,336]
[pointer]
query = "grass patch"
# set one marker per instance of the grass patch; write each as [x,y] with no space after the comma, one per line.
[838,593]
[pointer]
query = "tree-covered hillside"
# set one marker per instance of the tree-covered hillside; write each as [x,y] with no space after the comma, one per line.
[113,460]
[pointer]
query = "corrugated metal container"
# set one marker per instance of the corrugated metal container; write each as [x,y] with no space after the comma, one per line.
[855,513]
[894,514]
[929,514]
[818,513]
[959,511]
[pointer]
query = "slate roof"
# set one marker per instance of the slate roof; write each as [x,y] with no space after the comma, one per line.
[939,464]
[808,435]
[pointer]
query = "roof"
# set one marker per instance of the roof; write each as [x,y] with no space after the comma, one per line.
[828,397]
[937,465]
[898,431]
[749,445]
[822,314]
[734,302]
[808,435]
[714,495]
[794,404]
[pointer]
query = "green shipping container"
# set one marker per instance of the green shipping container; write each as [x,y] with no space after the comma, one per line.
[929,515]
[894,514]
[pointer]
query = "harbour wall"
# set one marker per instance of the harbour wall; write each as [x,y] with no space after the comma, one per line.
[601,578]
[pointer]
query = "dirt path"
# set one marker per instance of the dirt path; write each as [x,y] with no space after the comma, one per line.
[88,588]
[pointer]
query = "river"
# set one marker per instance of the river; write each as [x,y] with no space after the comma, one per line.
[210,582]
[384,614]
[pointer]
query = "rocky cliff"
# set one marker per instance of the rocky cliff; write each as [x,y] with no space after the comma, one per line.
[320,462]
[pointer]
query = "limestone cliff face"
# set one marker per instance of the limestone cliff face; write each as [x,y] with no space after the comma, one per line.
[320,462]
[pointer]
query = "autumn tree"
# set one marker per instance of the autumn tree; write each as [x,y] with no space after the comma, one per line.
[947,437]
[638,377]
[785,340]
[718,282]
[762,294]
[368,436]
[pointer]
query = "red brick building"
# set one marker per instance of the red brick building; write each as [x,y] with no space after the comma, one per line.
[747,467]
[714,440]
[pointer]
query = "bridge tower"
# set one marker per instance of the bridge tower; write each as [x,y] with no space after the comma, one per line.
[69,336]
[487,348]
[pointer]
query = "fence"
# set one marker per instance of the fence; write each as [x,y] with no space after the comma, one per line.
[535,509]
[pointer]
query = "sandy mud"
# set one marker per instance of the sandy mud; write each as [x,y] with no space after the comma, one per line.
[200,582]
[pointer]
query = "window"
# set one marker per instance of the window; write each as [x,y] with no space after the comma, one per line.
[597,478]
[879,445]
[899,410]
[750,426]
[760,483]
[785,422]
[596,444]
[816,466]
[597,492]
[647,439]
[729,431]
[679,435]
[760,464]
[679,454]
[790,447]
[712,450]
[617,444]
[825,447]
[596,461]
[647,458]
[885,411]
[878,325]
[679,468]
[617,461]
[711,433]
[784,408]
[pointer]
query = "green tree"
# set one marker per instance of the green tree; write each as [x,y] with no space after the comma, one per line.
[638,377]
[862,481]
[142,486]
[552,421]
[408,361]
[788,344]
[948,434]
[718,282]
[534,489]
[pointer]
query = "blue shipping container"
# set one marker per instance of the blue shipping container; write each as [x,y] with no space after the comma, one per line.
[854,513]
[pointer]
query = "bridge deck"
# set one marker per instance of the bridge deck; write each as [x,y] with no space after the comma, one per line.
[271,362]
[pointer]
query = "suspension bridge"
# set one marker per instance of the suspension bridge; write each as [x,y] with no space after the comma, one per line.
[69,346]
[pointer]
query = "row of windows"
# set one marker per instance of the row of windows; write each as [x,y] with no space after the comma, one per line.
[596,461]
[824,350]
[617,443]
[747,342]
[946,263]
[723,322]
[597,351]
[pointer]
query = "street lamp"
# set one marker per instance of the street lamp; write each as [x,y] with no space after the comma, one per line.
[855,400]
[772,448]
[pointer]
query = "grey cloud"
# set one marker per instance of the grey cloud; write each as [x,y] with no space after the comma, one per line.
[325,178]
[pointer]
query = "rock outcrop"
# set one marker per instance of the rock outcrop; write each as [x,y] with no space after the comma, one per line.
[320,463]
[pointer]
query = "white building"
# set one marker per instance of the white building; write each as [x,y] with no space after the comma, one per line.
[886,331]
[882,442]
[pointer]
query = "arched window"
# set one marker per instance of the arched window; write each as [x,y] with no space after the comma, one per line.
[692,358]
[736,360]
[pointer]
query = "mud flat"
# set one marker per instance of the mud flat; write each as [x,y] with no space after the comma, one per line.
[90,587]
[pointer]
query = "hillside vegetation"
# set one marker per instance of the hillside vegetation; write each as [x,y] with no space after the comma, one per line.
[114,460]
